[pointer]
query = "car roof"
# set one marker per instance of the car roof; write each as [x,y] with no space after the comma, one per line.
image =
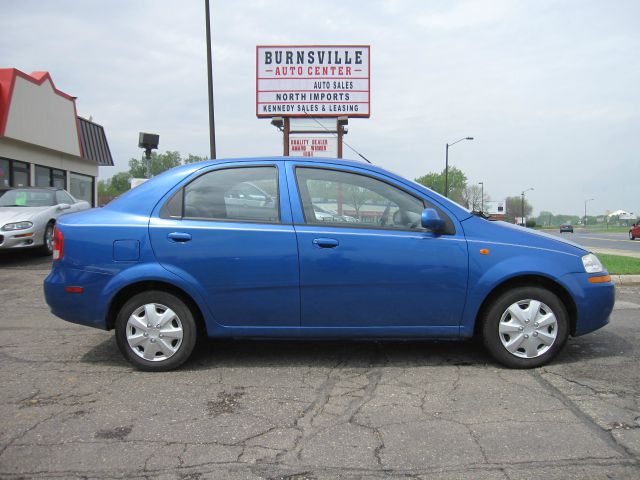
[143,198]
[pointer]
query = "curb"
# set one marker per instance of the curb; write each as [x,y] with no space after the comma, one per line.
[624,280]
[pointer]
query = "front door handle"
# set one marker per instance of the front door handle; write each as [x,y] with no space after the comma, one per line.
[326,242]
[179,237]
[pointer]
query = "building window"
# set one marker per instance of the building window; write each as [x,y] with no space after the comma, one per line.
[42,176]
[58,178]
[19,174]
[5,173]
[50,177]
[81,187]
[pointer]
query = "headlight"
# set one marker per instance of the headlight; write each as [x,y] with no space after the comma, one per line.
[17,226]
[592,264]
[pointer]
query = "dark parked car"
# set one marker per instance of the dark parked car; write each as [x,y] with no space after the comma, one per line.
[566,228]
[179,257]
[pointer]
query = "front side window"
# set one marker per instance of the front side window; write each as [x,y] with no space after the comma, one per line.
[348,199]
[64,197]
[241,194]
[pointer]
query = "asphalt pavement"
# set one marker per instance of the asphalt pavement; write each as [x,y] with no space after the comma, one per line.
[617,243]
[71,407]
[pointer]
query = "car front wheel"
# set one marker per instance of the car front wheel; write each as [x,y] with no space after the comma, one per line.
[47,240]
[631,237]
[156,331]
[525,327]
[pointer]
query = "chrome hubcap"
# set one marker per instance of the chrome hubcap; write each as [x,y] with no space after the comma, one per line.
[528,328]
[48,238]
[154,332]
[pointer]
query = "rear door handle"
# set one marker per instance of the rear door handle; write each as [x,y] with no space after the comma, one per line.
[326,242]
[179,237]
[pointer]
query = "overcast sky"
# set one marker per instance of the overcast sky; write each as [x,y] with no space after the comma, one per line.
[549,89]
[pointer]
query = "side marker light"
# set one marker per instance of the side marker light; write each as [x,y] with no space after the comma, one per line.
[600,279]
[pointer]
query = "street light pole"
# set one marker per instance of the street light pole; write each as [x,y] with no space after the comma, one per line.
[212,128]
[585,210]
[446,165]
[481,196]
[524,224]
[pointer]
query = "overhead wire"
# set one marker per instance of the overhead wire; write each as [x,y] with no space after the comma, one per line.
[336,135]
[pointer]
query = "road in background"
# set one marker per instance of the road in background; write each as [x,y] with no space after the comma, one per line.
[601,242]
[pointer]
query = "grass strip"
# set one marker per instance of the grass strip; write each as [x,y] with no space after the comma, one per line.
[619,264]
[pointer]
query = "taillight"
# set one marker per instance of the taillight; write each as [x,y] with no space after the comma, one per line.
[58,244]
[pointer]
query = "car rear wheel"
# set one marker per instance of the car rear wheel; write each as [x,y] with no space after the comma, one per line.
[631,237]
[525,327]
[156,331]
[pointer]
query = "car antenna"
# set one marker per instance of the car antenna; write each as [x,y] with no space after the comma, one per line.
[357,152]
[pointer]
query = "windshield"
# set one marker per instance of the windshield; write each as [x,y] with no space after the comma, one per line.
[27,198]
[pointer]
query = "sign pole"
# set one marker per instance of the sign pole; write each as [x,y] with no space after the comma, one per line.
[286,131]
[340,192]
[340,135]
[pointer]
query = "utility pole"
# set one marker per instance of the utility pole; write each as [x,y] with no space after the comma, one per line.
[212,128]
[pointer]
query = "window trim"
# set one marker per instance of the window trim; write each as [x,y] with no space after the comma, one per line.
[450,228]
[180,191]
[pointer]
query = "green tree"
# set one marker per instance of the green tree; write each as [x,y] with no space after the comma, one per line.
[514,208]
[115,185]
[120,182]
[155,165]
[193,159]
[457,183]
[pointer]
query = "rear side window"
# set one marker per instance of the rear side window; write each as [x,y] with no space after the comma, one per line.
[235,194]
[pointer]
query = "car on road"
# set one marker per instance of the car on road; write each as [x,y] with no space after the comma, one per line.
[177,259]
[28,216]
[634,231]
[566,228]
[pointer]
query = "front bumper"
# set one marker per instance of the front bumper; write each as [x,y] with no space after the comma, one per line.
[594,301]
[28,237]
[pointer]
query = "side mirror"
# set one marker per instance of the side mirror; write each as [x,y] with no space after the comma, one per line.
[431,220]
[64,206]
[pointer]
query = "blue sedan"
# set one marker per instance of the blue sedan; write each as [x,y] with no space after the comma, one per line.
[237,248]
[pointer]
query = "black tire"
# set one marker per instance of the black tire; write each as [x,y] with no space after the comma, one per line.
[47,240]
[631,237]
[493,339]
[183,319]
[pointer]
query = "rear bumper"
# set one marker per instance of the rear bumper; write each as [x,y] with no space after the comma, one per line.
[81,308]
[594,302]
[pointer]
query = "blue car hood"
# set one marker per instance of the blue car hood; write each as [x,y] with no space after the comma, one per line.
[503,232]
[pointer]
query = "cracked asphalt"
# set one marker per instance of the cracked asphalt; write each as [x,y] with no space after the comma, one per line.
[71,407]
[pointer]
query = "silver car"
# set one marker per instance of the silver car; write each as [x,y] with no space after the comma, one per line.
[28,215]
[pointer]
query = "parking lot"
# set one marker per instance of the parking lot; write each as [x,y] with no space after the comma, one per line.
[71,407]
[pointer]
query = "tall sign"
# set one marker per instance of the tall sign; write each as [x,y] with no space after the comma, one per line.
[312,81]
